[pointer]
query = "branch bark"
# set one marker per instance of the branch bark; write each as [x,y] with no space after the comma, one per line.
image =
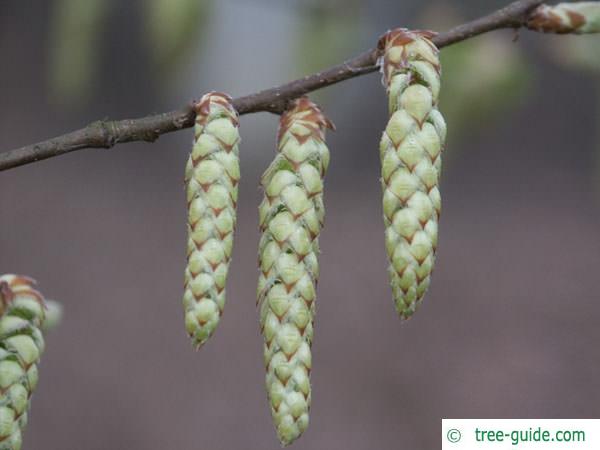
[106,134]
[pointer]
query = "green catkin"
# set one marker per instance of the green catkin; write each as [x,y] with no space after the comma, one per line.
[577,18]
[211,177]
[291,217]
[21,345]
[410,151]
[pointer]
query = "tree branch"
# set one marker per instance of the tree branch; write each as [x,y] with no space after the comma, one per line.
[106,134]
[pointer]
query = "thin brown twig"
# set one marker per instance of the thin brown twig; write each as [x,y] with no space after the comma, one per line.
[106,134]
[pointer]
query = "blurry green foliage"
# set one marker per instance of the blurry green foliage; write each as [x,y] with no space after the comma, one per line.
[577,52]
[75,29]
[173,28]
[482,78]
[326,30]
[582,53]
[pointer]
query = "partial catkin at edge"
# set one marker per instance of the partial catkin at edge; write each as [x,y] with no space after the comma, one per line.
[22,316]
[563,18]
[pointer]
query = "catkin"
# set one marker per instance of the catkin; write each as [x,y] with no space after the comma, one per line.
[410,150]
[577,18]
[291,217]
[21,345]
[211,177]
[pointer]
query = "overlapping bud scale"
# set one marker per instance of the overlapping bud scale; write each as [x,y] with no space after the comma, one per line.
[211,177]
[410,151]
[291,217]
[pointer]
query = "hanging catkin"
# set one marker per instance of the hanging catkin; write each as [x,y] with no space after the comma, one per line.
[22,313]
[211,177]
[291,217]
[410,150]
[578,18]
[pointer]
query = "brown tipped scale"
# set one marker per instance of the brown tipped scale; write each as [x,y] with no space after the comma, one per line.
[410,150]
[291,218]
[211,177]
[22,313]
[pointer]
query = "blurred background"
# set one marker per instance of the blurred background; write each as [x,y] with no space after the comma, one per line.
[509,328]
